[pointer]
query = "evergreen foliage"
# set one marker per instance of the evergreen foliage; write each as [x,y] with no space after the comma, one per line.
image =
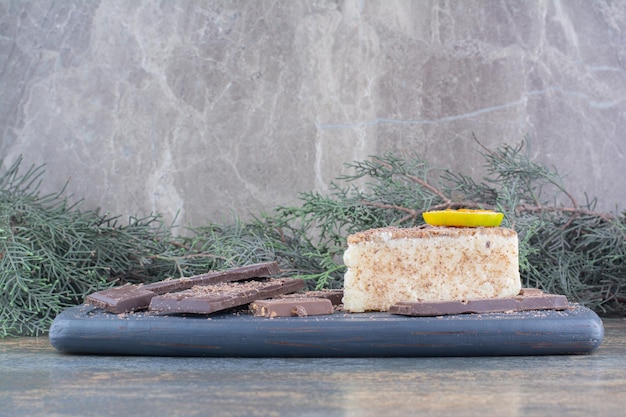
[52,254]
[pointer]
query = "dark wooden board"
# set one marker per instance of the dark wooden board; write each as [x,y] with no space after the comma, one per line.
[89,330]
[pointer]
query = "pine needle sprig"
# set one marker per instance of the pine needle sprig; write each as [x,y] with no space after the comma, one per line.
[52,254]
[270,238]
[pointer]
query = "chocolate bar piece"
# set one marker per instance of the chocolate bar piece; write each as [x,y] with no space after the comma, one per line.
[528,299]
[335,296]
[209,299]
[122,299]
[234,274]
[129,297]
[287,307]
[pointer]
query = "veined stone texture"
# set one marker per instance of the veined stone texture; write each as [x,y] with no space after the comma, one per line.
[221,108]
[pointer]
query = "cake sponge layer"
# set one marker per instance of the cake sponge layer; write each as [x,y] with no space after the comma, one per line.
[389,265]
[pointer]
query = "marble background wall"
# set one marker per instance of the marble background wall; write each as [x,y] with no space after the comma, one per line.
[217,108]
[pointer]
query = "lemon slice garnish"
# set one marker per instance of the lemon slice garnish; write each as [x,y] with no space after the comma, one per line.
[463,218]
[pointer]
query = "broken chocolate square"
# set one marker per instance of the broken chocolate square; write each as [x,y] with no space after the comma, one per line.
[287,307]
[122,299]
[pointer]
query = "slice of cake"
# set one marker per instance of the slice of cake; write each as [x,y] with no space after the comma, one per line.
[429,263]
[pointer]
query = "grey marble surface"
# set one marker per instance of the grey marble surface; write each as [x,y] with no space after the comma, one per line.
[222,107]
[38,381]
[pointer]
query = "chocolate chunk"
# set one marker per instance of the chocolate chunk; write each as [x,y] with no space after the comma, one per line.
[137,297]
[122,299]
[209,299]
[335,296]
[531,292]
[528,299]
[287,307]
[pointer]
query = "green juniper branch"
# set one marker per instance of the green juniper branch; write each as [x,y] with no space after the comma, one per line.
[52,254]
